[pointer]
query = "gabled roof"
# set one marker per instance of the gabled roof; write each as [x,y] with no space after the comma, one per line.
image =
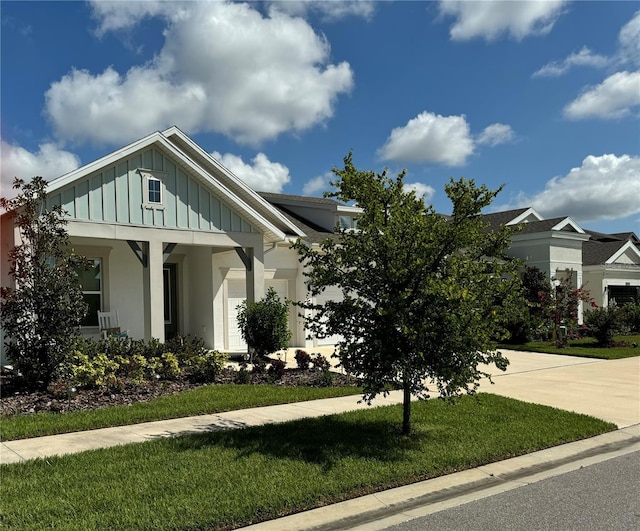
[565,224]
[257,211]
[227,177]
[511,217]
[600,253]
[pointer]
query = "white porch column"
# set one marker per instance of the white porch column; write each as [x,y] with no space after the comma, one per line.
[255,274]
[154,292]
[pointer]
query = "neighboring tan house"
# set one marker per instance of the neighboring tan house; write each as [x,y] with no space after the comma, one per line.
[178,241]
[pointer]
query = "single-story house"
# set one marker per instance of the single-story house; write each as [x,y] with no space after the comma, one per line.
[178,241]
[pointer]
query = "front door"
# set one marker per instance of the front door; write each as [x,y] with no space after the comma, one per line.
[170,301]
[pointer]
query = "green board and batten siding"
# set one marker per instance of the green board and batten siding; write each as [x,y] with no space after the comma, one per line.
[115,195]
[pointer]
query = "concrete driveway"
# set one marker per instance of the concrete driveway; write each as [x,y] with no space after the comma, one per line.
[607,389]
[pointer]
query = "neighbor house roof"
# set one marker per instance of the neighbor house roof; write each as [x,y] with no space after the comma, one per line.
[312,233]
[599,252]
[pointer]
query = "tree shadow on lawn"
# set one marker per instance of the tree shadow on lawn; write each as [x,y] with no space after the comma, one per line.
[322,441]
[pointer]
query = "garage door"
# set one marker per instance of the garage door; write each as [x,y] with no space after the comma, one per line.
[329,294]
[236,293]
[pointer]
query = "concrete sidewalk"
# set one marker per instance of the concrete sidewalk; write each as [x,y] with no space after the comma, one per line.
[609,390]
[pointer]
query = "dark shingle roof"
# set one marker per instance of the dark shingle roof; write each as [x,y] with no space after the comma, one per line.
[542,226]
[498,219]
[598,252]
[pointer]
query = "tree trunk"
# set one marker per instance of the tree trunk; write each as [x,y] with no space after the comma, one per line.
[406,406]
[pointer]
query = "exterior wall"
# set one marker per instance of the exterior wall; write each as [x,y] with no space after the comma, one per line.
[598,279]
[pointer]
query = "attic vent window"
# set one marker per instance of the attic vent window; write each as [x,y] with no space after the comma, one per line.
[153,188]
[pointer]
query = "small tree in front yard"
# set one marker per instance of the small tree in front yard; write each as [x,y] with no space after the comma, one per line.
[41,314]
[264,324]
[423,294]
[561,306]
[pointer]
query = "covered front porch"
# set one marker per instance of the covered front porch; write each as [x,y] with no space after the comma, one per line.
[166,282]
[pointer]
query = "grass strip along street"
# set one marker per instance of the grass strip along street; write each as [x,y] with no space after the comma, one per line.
[585,347]
[223,480]
[201,401]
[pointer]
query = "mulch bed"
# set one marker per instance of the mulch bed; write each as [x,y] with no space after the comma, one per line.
[16,401]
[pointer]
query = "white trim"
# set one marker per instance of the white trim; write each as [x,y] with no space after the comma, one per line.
[522,217]
[148,175]
[623,250]
[568,222]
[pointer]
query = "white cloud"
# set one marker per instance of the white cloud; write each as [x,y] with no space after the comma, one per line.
[262,175]
[584,57]
[328,10]
[421,190]
[490,19]
[629,41]
[615,97]
[440,139]
[48,162]
[430,138]
[223,68]
[318,184]
[496,134]
[602,188]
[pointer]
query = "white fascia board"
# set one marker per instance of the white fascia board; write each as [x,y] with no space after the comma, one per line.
[529,212]
[568,222]
[349,209]
[626,247]
[549,235]
[254,197]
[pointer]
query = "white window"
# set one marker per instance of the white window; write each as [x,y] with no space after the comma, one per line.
[153,188]
[347,222]
[91,284]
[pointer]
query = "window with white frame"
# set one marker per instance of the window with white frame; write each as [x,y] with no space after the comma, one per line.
[347,222]
[153,188]
[91,284]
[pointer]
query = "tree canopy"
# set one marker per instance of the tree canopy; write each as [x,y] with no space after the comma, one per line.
[423,293]
[42,313]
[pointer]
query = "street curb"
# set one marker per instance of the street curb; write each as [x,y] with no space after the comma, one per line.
[394,506]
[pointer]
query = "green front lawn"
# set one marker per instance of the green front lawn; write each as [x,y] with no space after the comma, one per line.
[203,400]
[584,347]
[222,480]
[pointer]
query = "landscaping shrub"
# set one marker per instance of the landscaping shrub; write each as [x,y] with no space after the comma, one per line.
[264,324]
[204,367]
[320,363]
[276,369]
[603,323]
[630,315]
[302,359]
[110,362]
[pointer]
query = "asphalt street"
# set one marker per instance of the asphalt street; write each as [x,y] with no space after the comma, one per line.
[600,497]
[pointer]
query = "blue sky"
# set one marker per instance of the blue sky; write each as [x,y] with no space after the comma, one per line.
[543,97]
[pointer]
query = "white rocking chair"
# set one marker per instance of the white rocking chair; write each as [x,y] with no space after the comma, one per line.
[109,325]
